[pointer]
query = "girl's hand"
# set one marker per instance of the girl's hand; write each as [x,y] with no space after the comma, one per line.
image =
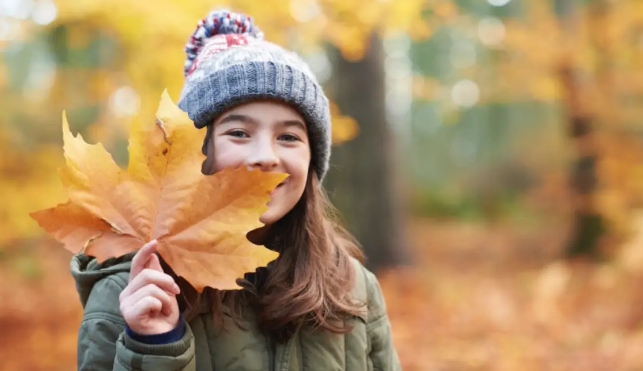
[148,303]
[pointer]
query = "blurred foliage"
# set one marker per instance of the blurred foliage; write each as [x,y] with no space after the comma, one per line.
[483,138]
[511,114]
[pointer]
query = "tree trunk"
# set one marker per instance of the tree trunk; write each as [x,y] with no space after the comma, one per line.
[588,223]
[361,179]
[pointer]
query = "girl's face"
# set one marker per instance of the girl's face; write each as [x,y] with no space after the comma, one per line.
[269,136]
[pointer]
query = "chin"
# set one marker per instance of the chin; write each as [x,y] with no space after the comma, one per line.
[269,217]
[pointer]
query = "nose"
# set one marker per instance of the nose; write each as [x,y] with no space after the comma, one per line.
[263,156]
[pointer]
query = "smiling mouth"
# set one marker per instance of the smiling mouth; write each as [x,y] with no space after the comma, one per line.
[277,187]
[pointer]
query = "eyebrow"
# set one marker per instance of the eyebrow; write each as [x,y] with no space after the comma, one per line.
[249,120]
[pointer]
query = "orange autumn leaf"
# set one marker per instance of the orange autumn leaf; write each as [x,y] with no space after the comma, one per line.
[200,221]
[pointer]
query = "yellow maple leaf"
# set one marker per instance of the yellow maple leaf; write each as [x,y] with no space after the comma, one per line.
[200,221]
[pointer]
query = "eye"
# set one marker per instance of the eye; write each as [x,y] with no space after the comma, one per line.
[288,138]
[238,134]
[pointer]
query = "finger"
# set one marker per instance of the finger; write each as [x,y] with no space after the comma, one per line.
[154,263]
[149,276]
[141,258]
[166,299]
[142,308]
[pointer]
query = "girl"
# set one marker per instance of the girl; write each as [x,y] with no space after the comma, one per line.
[314,308]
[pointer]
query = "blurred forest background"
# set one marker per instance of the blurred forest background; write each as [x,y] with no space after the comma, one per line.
[488,155]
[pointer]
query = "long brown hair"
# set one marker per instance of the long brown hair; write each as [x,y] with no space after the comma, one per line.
[309,284]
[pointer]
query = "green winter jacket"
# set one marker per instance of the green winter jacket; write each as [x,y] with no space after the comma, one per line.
[103,344]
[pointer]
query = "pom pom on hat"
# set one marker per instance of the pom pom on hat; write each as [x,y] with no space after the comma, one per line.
[218,22]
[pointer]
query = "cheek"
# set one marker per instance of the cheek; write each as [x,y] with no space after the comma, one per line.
[301,175]
[227,154]
[298,169]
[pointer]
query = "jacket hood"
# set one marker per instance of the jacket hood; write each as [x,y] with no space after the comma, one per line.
[87,271]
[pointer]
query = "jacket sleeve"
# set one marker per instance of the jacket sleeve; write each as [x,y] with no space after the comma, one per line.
[103,344]
[383,354]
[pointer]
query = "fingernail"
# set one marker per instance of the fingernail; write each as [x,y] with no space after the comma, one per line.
[151,244]
[177,288]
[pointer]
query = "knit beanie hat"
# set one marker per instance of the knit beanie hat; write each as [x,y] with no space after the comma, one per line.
[229,63]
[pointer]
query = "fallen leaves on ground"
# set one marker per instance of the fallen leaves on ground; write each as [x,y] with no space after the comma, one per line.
[498,298]
[200,221]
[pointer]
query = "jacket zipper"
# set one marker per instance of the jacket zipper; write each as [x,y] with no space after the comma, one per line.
[271,353]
